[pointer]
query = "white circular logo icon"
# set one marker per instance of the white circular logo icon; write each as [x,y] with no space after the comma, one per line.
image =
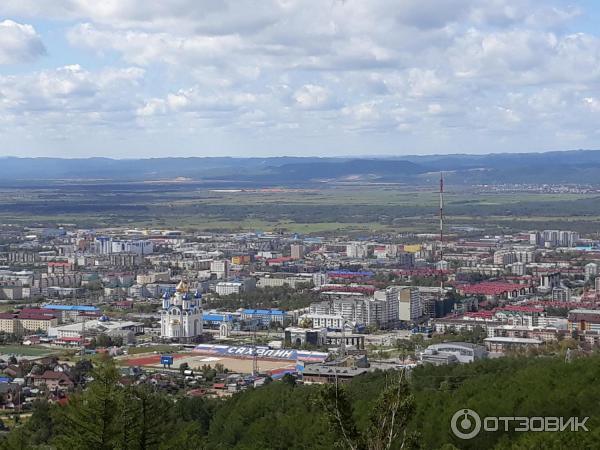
[465,424]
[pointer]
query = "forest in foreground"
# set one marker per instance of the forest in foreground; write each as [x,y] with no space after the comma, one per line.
[111,413]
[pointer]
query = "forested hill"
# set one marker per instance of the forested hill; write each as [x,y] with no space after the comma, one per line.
[285,415]
[577,167]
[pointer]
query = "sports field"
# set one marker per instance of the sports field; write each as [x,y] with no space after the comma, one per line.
[195,361]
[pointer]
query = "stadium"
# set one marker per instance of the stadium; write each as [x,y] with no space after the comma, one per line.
[238,359]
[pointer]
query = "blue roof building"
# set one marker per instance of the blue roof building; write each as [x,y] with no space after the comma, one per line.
[265,316]
[72,308]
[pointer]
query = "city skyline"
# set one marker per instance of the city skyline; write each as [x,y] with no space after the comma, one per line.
[182,78]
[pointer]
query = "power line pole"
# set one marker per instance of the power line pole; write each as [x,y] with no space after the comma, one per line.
[254,354]
[83,336]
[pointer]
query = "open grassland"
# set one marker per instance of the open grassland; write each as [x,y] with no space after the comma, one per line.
[314,209]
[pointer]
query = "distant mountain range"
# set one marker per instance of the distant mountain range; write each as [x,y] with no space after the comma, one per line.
[575,166]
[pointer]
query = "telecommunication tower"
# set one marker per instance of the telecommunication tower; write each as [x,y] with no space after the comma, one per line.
[441,231]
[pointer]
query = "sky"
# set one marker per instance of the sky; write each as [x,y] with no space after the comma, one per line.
[141,78]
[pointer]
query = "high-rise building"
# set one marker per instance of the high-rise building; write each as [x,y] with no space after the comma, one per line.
[410,304]
[551,237]
[352,307]
[297,251]
[535,238]
[391,305]
[103,245]
[549,281]
[591,270]
[220,268]
[568,238]
[504,257]
[561,294]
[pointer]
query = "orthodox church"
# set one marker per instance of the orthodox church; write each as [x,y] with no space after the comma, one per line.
[181,314]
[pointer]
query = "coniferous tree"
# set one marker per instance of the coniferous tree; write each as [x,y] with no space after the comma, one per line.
[148,414]
[92,419]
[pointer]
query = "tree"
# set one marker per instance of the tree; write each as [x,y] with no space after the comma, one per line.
[183,367]
[41,423]
[388,419]
[103,340]
[289,379]
[16,440]
[208,372]
[391,414]
[92,419]
[81,370]
[145,415]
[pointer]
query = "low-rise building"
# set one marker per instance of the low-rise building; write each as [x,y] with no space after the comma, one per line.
[448,352]
[502,344]
[264,316]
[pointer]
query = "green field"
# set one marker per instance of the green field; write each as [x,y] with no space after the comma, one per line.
[312,210]
[26,350]
[152,349]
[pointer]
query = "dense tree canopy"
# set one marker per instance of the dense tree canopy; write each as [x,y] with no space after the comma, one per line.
[108,415]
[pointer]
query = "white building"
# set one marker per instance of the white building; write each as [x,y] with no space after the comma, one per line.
[95,327]
[518,268]
[277,281]
[462,352]
[220,268]
[229,287]
[235,287]
[322,320]
[105,245]
[504,257]
[357,250]
[137,246]
[410,304]
[525,256]
[320,278]
[391,298]
[561,294]
[181,314]
[568,238]
[353,307]
[591,270]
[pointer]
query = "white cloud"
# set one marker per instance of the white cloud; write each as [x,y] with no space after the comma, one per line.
[311,96]
[70,97]
[414,70]
[19,43]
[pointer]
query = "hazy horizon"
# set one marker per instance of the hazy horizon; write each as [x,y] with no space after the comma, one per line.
[340,156]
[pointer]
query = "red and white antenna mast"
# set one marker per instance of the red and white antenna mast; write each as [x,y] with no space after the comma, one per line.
[441,231]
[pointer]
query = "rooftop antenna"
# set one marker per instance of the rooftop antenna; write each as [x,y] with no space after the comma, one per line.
[441,231]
